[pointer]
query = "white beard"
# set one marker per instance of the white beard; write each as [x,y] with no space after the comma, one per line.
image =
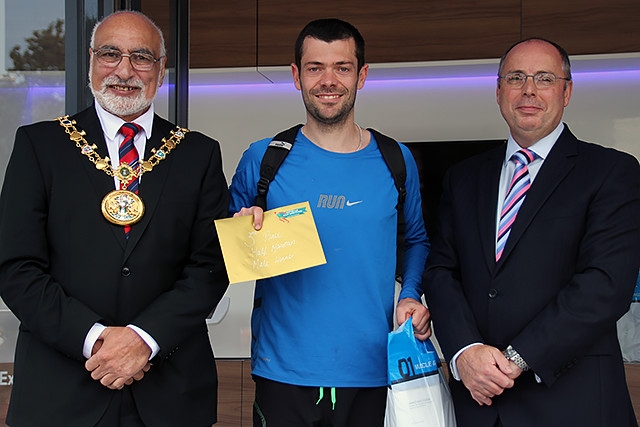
[122,106]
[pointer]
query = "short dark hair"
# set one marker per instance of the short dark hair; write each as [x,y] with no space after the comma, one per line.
[329,30]
[566,63]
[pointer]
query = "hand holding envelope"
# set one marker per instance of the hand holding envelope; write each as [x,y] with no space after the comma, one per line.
[288,241]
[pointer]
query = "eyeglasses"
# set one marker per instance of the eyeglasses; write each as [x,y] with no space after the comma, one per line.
[112,58]
[541,80]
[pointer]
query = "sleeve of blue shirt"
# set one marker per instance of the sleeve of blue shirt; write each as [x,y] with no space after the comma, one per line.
[416,241]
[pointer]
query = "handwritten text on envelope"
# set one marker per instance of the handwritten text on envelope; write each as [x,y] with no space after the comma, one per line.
[288,241]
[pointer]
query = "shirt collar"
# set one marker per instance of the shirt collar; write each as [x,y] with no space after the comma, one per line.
[111,124]
[541,147]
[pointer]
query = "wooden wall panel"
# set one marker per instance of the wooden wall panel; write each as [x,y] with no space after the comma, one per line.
[223,32]
[410,30]
[633,381]
[229,393]
[585,27]
[248,394]
[158,11]
[236,392]
[248,33]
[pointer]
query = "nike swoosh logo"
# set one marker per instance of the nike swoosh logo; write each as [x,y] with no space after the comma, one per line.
[353,203]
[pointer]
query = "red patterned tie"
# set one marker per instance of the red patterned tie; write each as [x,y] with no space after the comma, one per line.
[129,154]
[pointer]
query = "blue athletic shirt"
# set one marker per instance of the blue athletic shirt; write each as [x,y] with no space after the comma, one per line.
[327,326]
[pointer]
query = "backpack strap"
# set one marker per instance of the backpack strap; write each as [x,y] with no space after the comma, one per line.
[392,155]
[276,152]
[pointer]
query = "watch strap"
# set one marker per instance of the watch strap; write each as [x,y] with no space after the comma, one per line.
[511,354]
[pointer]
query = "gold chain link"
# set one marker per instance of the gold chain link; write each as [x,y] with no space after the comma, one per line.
[129,174]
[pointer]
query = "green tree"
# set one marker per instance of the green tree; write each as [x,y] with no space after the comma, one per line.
[45,50]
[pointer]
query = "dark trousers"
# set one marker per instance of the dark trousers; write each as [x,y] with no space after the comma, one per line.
[284,405]
[122,411]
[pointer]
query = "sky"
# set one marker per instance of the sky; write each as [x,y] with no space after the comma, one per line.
[21,17]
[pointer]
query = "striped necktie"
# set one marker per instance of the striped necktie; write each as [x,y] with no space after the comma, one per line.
[128,154]
[518,188]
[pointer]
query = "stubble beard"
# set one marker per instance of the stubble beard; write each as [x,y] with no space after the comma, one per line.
[316,112]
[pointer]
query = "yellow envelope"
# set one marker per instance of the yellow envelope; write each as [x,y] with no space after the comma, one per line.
[288,241]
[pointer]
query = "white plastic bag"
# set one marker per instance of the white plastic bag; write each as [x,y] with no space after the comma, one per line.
[629,329]
[418,395]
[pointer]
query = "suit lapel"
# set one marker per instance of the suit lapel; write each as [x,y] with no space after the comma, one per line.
[556,167]
[152,183]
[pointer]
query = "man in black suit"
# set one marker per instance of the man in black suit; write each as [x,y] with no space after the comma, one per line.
[112,265]
[525,302]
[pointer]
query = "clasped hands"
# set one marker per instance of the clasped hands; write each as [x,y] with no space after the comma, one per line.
[119,357]
[486,372]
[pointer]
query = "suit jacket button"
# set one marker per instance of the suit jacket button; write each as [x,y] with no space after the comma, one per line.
[125,271]
[493,293]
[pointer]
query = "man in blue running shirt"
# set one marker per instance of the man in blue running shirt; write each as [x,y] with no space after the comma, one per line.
[320,335]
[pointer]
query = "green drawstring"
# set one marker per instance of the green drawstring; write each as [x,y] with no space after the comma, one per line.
[321,395]
[333,397]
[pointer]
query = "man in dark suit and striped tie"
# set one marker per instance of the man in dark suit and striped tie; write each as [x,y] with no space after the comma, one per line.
[525,281]
[109,256]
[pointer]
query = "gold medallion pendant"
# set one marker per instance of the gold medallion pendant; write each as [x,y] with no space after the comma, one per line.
[122,207]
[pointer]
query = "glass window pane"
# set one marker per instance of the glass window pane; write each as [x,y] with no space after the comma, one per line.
[32,80]
[32,60]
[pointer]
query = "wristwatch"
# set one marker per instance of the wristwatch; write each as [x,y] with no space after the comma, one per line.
[511,354]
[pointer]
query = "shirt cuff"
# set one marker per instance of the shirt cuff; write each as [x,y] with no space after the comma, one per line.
[153,345]
[452,365]
[91,338]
